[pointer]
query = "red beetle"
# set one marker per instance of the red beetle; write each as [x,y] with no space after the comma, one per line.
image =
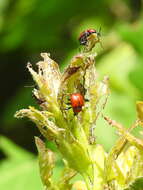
[85,34]
[77,102]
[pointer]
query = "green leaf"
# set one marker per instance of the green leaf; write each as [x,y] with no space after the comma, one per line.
[136,185]
[19,169]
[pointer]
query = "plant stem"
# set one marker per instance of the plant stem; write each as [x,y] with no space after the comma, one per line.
[87,181]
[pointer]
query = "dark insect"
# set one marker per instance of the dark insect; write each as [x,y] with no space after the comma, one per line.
[85,34]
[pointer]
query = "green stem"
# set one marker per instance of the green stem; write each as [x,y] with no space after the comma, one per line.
[92,180]
[87,181]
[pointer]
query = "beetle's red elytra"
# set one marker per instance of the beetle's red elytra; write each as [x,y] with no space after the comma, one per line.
[77,102]
[84,35]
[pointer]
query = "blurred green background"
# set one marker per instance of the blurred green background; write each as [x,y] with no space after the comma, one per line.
[29,27]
